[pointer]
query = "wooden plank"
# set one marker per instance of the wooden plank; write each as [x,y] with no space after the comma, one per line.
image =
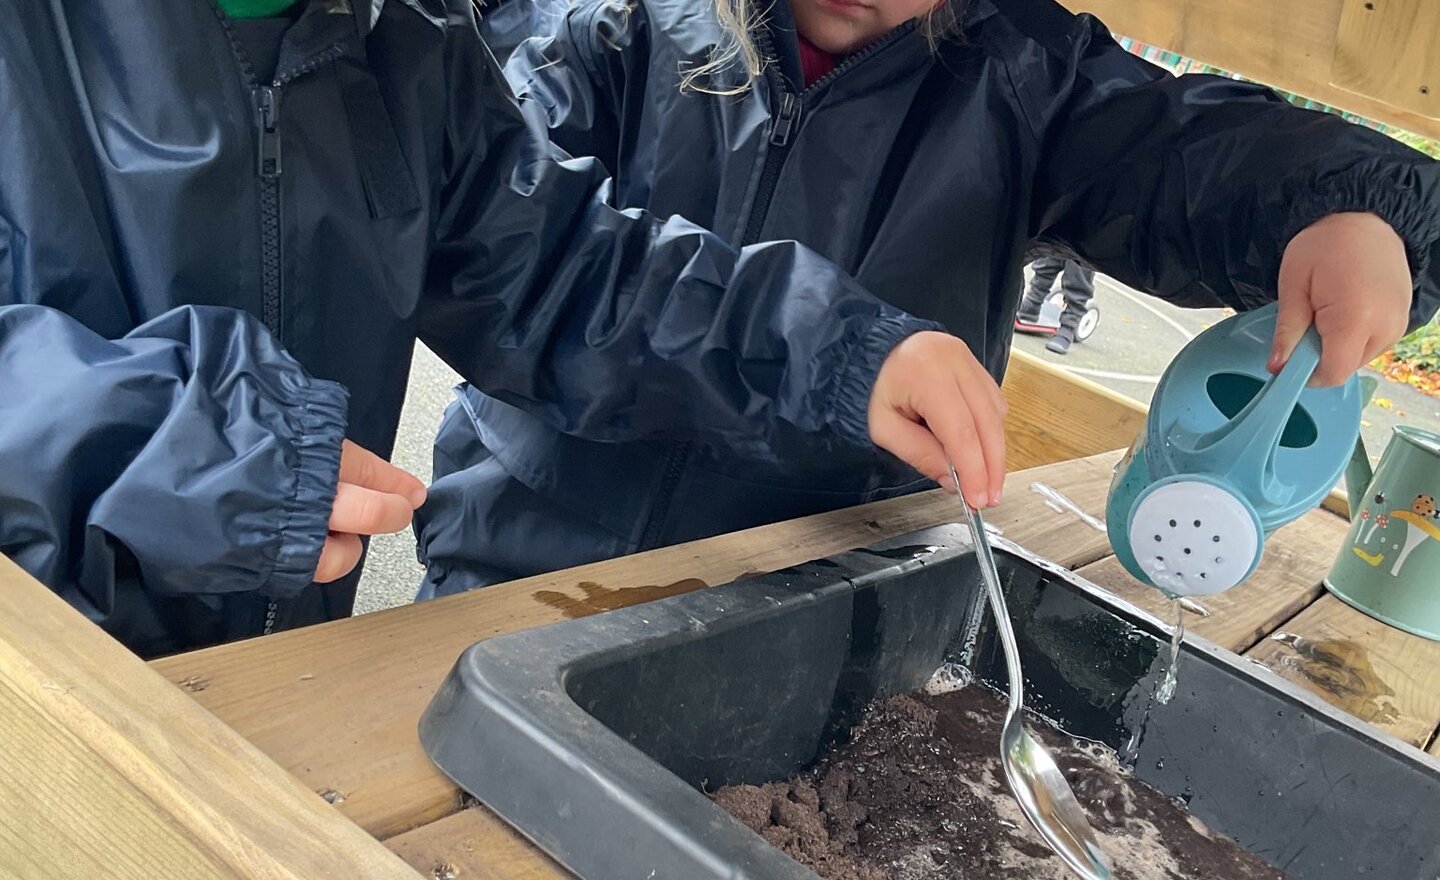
[474,844]
[1288,580]
[1386,49]
[1288,44]
[1375,672]
[1337,503]
[1056,416]
[338,704]
[107,770]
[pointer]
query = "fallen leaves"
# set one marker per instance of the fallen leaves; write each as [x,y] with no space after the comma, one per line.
[1422,380]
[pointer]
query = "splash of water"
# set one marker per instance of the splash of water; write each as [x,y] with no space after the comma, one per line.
[948,678]
[1192,606]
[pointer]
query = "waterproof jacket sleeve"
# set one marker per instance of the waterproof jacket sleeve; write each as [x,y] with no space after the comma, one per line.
[192,455]
[613,325]
[1191,187]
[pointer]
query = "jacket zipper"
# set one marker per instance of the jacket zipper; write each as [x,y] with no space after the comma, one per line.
[267,142]
[265,100]
[788,112]
[268,167]
[787,120]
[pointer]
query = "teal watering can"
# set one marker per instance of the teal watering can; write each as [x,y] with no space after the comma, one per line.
[1229,454]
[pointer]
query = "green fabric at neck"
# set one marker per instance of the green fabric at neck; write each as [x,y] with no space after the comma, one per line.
[255,8]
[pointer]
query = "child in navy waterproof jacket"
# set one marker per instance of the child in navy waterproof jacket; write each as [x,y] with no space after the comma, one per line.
[929,150]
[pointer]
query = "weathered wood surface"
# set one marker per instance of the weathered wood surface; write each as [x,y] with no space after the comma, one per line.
[107,770]
[1377,673]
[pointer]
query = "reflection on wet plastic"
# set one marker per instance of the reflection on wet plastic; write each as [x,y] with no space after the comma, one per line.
[1058,502]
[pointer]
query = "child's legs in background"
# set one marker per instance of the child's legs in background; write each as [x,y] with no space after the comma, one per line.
[1045,271]
[1079,288]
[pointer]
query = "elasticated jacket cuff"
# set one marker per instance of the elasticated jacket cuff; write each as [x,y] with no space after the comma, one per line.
[856,380]
[1396,203]
[319,422]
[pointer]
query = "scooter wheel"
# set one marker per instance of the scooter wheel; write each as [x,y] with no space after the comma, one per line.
[1088,322]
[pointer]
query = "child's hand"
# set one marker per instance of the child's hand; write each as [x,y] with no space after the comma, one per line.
[932,397]
[1346,274]
[374,498]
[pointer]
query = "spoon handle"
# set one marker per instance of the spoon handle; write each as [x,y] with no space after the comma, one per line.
[991,577]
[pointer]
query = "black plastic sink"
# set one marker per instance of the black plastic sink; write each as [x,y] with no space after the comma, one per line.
[595,737]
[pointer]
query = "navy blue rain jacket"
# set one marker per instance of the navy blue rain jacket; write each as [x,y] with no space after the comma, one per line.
[930,175]
[207,277]
[505,24]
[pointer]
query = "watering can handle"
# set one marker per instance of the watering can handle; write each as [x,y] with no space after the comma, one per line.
[1251,448]
[1358,472]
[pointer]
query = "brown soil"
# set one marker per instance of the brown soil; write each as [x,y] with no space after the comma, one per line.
[918,793]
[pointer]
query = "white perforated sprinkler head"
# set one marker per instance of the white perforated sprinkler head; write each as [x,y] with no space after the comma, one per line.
[1194,538]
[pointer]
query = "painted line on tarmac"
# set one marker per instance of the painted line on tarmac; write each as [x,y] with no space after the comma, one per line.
[1107,374]
[1139,300]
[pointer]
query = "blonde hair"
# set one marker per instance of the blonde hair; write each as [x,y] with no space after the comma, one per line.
[736,50]
[738,20]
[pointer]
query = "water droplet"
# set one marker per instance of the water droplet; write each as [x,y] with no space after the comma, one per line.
[1159,763]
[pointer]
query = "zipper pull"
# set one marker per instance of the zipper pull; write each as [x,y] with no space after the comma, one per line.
[786,121]
[267,130]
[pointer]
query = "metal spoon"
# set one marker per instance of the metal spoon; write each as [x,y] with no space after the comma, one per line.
[1041,790]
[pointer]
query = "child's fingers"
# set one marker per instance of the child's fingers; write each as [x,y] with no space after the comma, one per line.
[988,415]
[362,511]
[957,432]
[362,467]
[912,443]
[1377,346]
[1295,316]
[1341,354]
[338,557]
